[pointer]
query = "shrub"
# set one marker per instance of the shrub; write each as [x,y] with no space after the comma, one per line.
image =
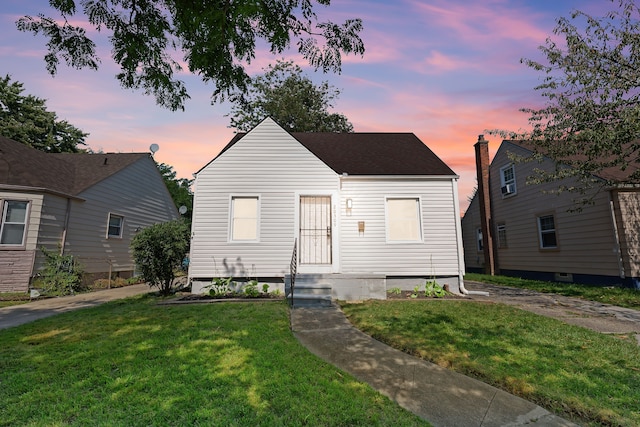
[61,275]
[159,251]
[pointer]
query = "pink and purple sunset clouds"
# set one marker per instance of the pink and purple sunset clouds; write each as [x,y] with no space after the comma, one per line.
[445,70]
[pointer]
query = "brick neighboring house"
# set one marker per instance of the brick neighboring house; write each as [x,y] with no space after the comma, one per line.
[528,233]
[87,205]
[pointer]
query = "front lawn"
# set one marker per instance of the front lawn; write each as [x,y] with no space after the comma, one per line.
[574,372]
[133,362]
[622,297]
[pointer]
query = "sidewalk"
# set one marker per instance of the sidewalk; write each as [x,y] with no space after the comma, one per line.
[24,313]
[442,397]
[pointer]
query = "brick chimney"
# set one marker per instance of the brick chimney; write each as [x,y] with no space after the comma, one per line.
[484,197]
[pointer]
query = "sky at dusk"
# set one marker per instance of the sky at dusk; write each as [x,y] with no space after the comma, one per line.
[446,70]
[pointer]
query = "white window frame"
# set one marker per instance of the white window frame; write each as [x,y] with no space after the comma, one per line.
[501,233]
[479,240]
[121,226]
[508,184]
[232,199]
[4,206]
[542,232]
[388,228]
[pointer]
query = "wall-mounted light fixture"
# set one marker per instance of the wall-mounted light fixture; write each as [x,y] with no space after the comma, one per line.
[349,203]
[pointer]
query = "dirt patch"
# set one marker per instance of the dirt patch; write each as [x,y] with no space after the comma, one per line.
[411,295]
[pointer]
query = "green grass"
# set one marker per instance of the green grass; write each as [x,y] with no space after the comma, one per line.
[622,297]
[133,362]
[8,299]
[574,372]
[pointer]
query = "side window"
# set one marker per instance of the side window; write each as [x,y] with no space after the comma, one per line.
[547,232]
[13,225]
[244,218]
[502,235]
[508,181]
[480,245]
[403,220]
[114,226]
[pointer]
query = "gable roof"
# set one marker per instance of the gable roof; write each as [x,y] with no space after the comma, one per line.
[66,173]
[612,174]
[369,153]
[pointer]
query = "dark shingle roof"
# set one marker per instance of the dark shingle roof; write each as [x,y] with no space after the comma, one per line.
[67,173]
[365,153]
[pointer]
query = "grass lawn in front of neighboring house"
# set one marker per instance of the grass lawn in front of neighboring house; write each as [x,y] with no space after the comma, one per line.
[136,363]
[577,373]
[622,297]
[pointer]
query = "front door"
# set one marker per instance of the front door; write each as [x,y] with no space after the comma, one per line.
[315,230]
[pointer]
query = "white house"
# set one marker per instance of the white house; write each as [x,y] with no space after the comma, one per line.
[369,211]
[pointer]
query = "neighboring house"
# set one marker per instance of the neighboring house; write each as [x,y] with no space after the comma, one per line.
[87,205]
[369,211]
[535,234]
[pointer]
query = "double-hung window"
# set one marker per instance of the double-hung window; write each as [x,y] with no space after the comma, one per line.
[508,181]
[13,227]
[244,218]
[480,243]
[547,232]
[115,225]
[403,220]
[502,235]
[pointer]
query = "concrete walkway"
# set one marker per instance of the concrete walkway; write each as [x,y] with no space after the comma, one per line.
[440,396]
[39,309]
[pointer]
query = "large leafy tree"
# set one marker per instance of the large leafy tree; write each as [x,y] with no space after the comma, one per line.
[179,188]
[591,120]
[25,118]
[289,97]
[215,37]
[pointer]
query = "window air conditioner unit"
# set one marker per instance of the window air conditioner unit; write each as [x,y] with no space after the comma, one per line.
[508,189]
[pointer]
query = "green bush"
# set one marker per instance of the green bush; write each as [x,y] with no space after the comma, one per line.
[61,275]
[159,251]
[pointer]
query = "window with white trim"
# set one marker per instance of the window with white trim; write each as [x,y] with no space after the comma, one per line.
[547,232]
[13,227]
[115,225]
[508,181]
[403,220]
[502,235]
[480,244]
[244,218]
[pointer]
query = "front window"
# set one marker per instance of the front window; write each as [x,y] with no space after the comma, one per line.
[244,218]
[115,225]
[403,220]
[13,227]
[508,181]
[547,231]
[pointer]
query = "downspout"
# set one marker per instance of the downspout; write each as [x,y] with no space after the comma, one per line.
[456,212]
[66,226]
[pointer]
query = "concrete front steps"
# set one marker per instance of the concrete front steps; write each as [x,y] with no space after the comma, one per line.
[309,291]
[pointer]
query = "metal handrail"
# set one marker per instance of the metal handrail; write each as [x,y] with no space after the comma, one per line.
[293,270]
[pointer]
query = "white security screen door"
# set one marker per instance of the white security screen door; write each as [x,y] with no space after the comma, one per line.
[315,230]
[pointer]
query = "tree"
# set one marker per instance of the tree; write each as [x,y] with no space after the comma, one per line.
[215,37]
[291,99]
[24,118]
[179,188]
[159,251]
[591,121]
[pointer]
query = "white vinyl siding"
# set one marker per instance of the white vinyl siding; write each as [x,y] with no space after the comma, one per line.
[403,220]
[267,162]
[370,252]
[13,225]
[244,219]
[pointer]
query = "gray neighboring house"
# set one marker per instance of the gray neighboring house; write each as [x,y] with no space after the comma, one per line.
[369,211]
[87,205]
[533,234]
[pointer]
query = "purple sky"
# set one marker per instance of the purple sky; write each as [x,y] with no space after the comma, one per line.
[446,70]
